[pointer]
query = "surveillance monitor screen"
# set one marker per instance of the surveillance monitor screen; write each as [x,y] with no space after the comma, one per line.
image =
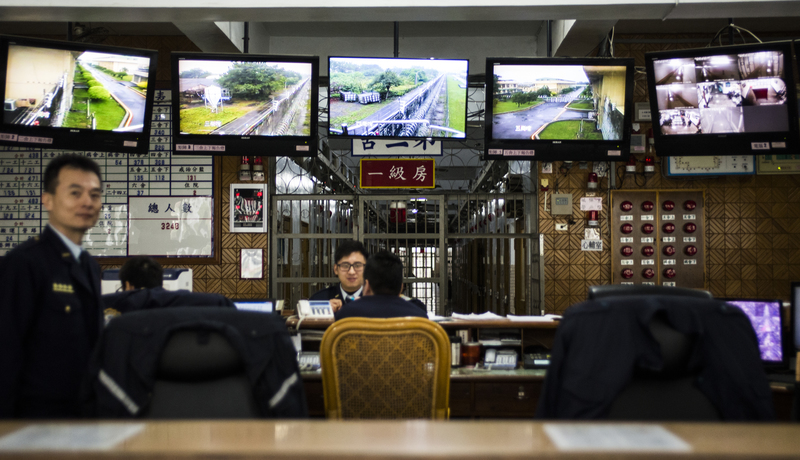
[722,93]
[765,316]
[728,100]
[391,97]
[558,102]
[237,98]
[75,95]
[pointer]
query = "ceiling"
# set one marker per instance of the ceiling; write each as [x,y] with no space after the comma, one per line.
[584,21]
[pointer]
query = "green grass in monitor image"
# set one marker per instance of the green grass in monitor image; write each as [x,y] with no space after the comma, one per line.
[571,129]
[508,106]
[350,113]
[456,105]
[108,112]
[586,105]
[193,121]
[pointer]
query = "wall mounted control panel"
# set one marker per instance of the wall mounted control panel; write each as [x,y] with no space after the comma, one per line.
[657,238]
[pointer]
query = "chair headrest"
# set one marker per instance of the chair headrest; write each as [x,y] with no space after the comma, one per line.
[614,290]
[676,347]
[197,355]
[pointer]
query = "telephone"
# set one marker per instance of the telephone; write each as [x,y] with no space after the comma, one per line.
[536,357]
[500,359]
[308,360]
[316,309]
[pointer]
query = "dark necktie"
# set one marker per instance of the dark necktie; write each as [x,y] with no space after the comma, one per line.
[90,312]
[86,266]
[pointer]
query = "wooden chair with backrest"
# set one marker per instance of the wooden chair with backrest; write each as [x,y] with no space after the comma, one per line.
[385,369]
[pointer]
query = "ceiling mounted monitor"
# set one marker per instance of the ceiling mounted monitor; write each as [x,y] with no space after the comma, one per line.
[564,109]
[730,100]
[397,97]
[245,104]
[70,95]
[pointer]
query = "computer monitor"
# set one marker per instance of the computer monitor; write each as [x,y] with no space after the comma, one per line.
[397,97]
[765,315]
[731,100]
[74,95]
[549,109]
[260,305]
[245,104]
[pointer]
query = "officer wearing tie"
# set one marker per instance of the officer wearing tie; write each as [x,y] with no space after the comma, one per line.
[50,306]
[350,258]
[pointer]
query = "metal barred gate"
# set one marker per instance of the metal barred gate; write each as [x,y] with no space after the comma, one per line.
[461,252]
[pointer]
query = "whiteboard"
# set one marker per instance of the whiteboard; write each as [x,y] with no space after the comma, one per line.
[170,226]
[155,173]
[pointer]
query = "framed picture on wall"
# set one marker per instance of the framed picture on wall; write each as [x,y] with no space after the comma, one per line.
[248,208]
[251,263]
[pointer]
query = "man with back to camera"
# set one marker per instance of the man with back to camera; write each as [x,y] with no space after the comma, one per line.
[350,256]
[142,279]
[50,305]
[383,282]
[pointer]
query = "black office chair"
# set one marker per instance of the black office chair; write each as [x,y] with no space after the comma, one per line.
[612,290]
[195,362]
[668,393]
[655,358]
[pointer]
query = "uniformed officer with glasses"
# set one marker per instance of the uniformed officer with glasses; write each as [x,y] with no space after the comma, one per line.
[351,256]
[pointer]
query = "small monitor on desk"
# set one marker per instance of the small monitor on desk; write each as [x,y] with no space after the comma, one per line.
[261,305]
[765,315]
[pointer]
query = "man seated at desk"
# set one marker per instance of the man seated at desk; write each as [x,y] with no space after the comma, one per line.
[350,258]
[142,279]
[383,283]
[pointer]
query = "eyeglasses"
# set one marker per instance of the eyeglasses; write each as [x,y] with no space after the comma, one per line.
[358,266]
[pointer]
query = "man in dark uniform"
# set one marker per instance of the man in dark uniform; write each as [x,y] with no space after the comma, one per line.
[383,284]
[142,279]
[350,258]
[50,307]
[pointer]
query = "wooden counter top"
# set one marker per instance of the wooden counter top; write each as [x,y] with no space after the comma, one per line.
[320,440]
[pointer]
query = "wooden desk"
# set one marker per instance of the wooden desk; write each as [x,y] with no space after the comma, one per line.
[315,440]
[496,394]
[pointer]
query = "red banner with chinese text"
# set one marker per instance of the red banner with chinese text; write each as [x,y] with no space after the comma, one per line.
[397,173]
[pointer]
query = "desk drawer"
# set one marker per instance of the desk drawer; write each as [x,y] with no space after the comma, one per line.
[460,399]
[315,398]
[506,399]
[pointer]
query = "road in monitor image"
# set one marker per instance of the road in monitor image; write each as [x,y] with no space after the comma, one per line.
[529,122]
[123,93]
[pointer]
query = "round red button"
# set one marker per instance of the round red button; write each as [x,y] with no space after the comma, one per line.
[668,227]
[669,273]
[689,205]
[689,227]
[627,273]
[668,205]
[647,206]
[648,228]
[626,228]
[648,273]
[669,250]
[626,206]
[690,250]
[627,251]
[648,251]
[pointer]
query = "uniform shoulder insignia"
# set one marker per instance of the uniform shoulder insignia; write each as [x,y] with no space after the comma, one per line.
[66,254]
[63,288]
